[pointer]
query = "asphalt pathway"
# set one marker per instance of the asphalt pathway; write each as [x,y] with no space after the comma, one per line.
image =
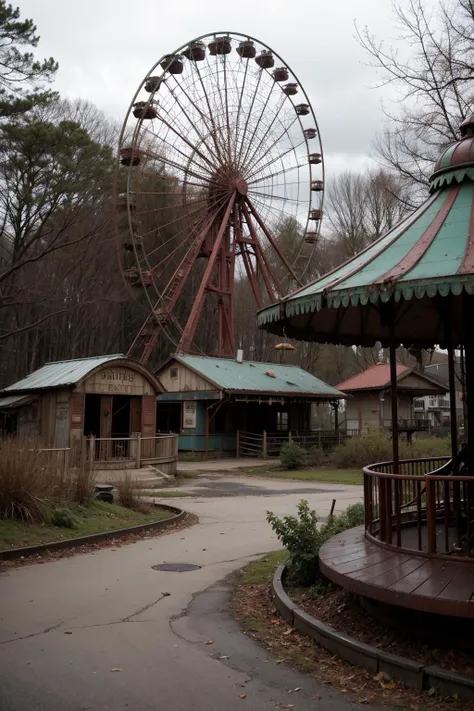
[106,631]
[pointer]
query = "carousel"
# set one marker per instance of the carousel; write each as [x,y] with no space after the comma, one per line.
[413,287]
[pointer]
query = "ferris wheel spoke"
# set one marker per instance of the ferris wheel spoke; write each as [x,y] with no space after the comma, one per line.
[188,143]
[284,171]
[263,138]
[279,156]
[258,122]
[200,113]
[227,110]
[272,196]
[213,132]
[164,158]
[249,113]
[239,106]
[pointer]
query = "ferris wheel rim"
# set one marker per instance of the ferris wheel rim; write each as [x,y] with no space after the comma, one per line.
[244,36]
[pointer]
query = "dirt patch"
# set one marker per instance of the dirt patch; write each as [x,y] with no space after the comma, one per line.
[46,557]
[254,609]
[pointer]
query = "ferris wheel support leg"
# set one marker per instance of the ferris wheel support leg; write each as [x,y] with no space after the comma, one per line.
[192,322]
[264,266]
[273,242]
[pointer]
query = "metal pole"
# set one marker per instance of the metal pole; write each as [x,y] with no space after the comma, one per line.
[393,394]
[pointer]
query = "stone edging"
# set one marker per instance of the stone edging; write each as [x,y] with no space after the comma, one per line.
[375,660]
[15,553]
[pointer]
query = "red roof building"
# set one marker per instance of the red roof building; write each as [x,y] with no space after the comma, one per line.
[369,406]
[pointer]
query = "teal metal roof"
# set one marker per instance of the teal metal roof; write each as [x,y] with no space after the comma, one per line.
[62,373]
[253,377]
[428,254]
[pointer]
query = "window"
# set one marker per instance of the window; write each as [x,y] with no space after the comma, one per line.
[173,373]
[282,421]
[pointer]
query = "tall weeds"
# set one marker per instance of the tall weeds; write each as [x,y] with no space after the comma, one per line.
[26,484]
[33,481]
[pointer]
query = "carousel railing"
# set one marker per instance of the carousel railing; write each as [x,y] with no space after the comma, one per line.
[422,508]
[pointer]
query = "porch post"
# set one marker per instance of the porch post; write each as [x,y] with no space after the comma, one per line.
[468,303]
[91,451]
[206,432]
[237,444]
[452,401]
[393,394]
[138,450]
[264,444]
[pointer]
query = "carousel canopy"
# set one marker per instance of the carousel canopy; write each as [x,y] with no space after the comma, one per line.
[407,285]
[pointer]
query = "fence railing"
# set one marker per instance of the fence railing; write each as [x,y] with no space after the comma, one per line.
[423,508]
[411,423]
[57,458]
[269,444]
[137,450]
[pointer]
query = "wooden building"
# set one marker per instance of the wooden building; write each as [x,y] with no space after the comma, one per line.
[370,404]
[208,400]
[108,398]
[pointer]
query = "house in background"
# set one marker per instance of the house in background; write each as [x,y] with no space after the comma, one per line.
[208,400]
[435,408]
[369,406]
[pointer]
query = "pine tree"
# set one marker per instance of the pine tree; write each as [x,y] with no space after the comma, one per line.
[22,77]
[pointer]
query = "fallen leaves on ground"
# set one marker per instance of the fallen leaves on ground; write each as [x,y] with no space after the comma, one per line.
[254,608]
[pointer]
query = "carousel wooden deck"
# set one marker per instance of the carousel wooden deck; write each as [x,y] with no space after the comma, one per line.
[409,580]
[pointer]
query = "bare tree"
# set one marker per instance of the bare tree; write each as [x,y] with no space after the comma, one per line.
[432,71]
[361,208]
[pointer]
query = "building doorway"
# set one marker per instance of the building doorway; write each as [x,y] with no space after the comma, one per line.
[121,416]
[92,415]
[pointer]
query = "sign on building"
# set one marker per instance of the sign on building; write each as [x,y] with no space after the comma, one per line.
[189,415]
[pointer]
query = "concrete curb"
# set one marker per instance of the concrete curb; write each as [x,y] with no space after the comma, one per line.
[373,659]
[15,553]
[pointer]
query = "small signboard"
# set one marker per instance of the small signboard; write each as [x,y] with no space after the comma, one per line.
[189,414]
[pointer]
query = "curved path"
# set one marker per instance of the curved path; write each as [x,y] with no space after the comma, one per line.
[105,631]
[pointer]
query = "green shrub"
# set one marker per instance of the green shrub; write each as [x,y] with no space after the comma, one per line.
[360,451]
[315,457]
[292,456]
[377,447]
[354,515]
[63,518]
[303,538]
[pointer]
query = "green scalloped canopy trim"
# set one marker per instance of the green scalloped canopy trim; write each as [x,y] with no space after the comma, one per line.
[362,295]
[444,179]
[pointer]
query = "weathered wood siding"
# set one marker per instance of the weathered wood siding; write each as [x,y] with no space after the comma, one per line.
[365,411]
[413,380]
[186,380]
[117,381]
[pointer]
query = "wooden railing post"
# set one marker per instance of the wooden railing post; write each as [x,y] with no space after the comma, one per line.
[237,444]
[430,515]
[91,451]
[138,451]
[264,444]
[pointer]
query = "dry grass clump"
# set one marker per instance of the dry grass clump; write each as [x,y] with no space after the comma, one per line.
[33,481]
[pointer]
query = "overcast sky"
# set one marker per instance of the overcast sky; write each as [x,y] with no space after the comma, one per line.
[105,48]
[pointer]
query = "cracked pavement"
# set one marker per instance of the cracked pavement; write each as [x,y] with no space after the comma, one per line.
[105,631]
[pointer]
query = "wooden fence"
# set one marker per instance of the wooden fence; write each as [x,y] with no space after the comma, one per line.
[269,444]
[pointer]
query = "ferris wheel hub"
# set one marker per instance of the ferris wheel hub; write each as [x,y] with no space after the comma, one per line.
[241,186]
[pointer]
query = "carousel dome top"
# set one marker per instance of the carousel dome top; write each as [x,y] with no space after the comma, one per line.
[457,162]
[410,271]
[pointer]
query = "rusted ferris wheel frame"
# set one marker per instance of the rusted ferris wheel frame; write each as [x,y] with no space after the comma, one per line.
[250,210]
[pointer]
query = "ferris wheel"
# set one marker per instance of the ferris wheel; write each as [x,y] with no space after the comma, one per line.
[221,178]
